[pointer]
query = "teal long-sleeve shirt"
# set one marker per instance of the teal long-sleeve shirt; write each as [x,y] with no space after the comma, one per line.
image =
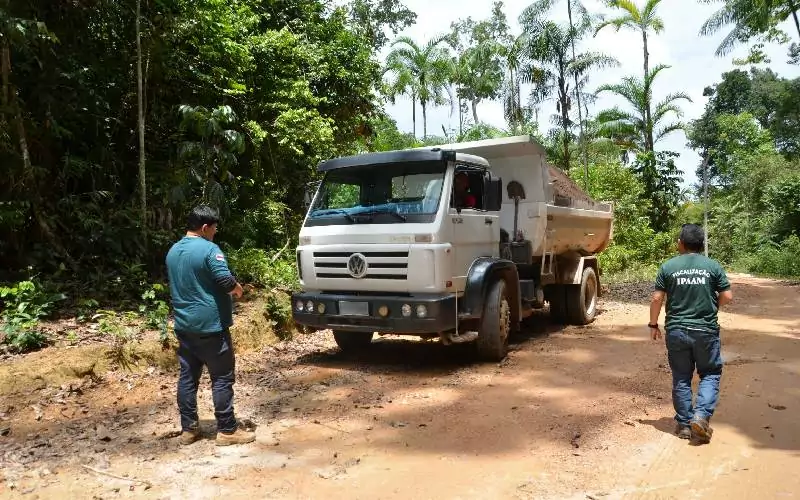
[200,283]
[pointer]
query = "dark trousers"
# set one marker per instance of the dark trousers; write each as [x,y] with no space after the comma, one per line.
[690,350]
[215,351]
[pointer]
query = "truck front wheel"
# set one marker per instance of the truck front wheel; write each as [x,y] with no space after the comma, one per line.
[582,299]
[352,341]
[492,343]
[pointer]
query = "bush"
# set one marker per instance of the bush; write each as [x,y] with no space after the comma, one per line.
[774,260]
[255,266]
[24,304]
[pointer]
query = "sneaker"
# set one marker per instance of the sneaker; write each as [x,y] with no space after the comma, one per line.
[683,431]
[189,437]
[701,430]
[240,436]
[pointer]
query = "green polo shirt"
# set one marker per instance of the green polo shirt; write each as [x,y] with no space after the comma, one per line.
[200,282]
[692,283]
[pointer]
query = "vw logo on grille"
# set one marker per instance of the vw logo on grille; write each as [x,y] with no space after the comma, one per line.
[357,265]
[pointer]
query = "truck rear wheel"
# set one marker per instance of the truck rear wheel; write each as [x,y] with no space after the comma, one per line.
[352,341]
[582,299]
[492,343]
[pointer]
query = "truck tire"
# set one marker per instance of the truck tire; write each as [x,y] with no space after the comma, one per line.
[352,341]
[495,326]
[557,298]
[582,299]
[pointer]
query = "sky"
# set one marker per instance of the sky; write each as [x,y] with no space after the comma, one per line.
[691,57]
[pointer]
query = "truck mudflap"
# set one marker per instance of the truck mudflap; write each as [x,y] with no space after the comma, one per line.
[413,315]
[482,273]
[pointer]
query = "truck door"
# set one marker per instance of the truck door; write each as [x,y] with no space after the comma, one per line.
[473,228]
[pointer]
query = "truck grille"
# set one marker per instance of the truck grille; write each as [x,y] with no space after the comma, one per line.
[380,265]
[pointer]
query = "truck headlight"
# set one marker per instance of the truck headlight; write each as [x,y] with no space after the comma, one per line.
[406,310]
[299,305]
[309,306]
[321,308]
[422,311]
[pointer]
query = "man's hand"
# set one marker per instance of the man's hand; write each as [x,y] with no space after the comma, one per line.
[237,291]
[655,333]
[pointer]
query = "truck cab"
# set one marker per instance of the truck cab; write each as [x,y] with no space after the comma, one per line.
[428,242]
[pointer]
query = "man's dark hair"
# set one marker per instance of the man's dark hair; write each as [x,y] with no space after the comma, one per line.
[692,237]
[201,214]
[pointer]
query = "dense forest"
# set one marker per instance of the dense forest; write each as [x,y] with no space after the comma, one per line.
[118,116]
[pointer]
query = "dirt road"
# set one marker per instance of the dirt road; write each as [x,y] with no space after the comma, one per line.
[571,413]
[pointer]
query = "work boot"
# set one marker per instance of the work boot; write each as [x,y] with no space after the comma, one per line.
[239,436]
[189,437]
[701,431]
[683,431]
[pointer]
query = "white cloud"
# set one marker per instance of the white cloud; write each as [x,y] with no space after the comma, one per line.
[691,57]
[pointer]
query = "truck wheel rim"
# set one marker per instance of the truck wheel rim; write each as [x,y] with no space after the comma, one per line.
[505,318]
[590,299]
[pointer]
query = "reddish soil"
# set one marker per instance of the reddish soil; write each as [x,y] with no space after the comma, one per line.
[571,413]
[564,186]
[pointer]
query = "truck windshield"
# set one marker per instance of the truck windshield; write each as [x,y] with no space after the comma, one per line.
[379,194]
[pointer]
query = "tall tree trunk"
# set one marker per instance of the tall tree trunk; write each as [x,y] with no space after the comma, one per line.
[793,8]
[578,102]
[460,118]
[475,111]
[139,78]
[414,114]
[424,120]
[565,123]
[649,142]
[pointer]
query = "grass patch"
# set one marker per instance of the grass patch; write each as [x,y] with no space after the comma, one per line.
[635,273]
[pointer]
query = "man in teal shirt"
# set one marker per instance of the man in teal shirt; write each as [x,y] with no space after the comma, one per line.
[695,288]
[202,289]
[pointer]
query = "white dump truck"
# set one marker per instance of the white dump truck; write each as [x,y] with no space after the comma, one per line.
[461,241]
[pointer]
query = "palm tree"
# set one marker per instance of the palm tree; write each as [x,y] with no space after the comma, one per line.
[403,84]
[634,129]
[749,18]
[430,68]
[512,96]
[642,20]
[537,8]
[549,66]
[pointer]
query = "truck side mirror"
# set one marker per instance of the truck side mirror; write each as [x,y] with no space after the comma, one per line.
[308,196]
[494,194]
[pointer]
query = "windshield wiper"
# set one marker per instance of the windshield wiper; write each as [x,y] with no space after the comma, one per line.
[396,214]
[338,211]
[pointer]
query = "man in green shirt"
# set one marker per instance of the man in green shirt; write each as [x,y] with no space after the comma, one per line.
[202,287]
[695,288]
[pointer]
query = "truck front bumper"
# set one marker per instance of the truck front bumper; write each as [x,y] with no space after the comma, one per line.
[429,314]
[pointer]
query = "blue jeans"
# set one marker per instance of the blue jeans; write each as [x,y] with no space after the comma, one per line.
[687,350]
[215,351]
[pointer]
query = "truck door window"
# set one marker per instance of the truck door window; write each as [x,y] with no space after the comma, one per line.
[468,189]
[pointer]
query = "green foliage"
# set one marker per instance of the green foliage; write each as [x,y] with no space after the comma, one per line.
[156,310]
[661,180]
[123,331]
[774,259]
[279,309]
[253,265]
[24,304]
[242,101]
[634,242]
[782,198]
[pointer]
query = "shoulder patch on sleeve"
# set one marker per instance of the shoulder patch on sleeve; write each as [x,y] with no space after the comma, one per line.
[219,256]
